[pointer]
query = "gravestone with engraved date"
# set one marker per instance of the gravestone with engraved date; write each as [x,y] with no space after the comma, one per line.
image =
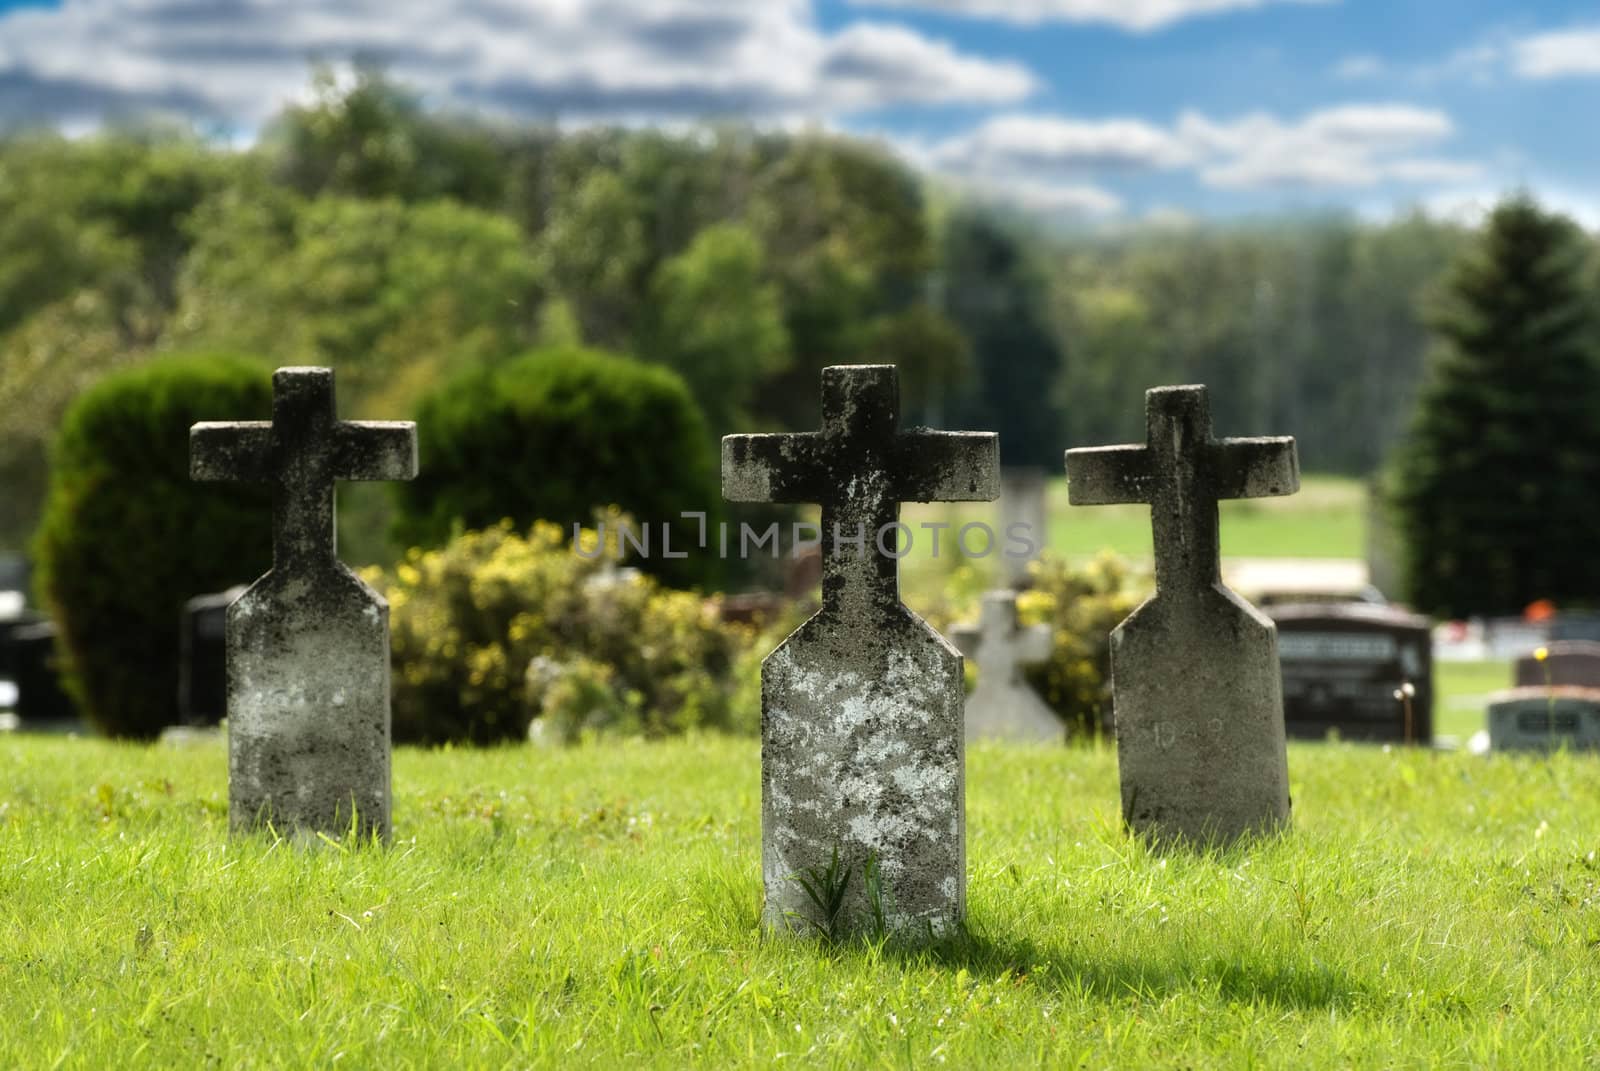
[862,757]
[308,643]
[1004,705]
[1196,691]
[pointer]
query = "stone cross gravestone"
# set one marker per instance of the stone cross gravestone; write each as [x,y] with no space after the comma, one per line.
[308,643]
[862,757]
[1566,662]
[1196,692]
[1342,666]
[1004,706]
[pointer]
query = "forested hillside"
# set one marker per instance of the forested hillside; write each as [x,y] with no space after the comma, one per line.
[399,246]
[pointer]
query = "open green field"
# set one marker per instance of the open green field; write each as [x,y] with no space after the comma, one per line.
[596,907]
[1461,688]
[1326,519]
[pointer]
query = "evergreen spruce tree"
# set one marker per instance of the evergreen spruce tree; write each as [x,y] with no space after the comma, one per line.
[1498,485]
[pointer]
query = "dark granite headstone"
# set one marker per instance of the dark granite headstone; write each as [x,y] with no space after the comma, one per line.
[32,653]
[862,758]
[9,624]
[1343,664]
[202,658]
[1566,662]
[1195,683]
[308,643]
[1543,719]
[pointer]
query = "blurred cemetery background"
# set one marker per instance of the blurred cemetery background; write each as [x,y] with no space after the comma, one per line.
[576,312]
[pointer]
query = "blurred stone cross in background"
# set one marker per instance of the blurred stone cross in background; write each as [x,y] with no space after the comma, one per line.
[308,643]
[1004,706]
[1196,685]
[862,756]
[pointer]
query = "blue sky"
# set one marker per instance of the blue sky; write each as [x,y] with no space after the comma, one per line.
[1099,109]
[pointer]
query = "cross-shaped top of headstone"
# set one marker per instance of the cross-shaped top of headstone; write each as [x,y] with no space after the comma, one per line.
[301,452]
[1182,472]
[1000,645]
[859,468]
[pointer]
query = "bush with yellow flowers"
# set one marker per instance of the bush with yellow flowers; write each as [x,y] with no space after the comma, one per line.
[1081,606]
[497,630]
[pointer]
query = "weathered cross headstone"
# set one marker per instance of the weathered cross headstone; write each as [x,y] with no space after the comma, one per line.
[1004,706]
[308,643]
[862,757]
[1565,662]
[1196,691]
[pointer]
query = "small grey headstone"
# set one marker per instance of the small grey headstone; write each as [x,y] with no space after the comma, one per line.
[1568,625]
[1543,719]
[1023,518]
[1196,690]
[308,643]
[1004,706]
[862,757]
[192,735]
[1566,662]
[1513,637]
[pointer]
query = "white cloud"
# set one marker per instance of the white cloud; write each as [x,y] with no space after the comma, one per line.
[1343,147]
[1351,146]
[1562,54]
[1045,190]
[241,59]
[1470,205]
[1358,68]
[1137,15]
[1070,199]
[875,63]
[1479,64]
[1051,145]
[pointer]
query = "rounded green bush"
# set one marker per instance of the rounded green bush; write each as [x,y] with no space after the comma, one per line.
[555,436]
[127,538]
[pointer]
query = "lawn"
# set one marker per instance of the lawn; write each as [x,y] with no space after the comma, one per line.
[596,907]
[1326,519]
[1461,689]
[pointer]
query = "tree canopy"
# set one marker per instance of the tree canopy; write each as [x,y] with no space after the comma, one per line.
[404,246]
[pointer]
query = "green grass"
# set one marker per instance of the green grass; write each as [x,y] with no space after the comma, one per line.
[596,907]
[1461,689]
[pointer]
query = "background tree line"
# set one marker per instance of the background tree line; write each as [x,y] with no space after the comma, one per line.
[401,246]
